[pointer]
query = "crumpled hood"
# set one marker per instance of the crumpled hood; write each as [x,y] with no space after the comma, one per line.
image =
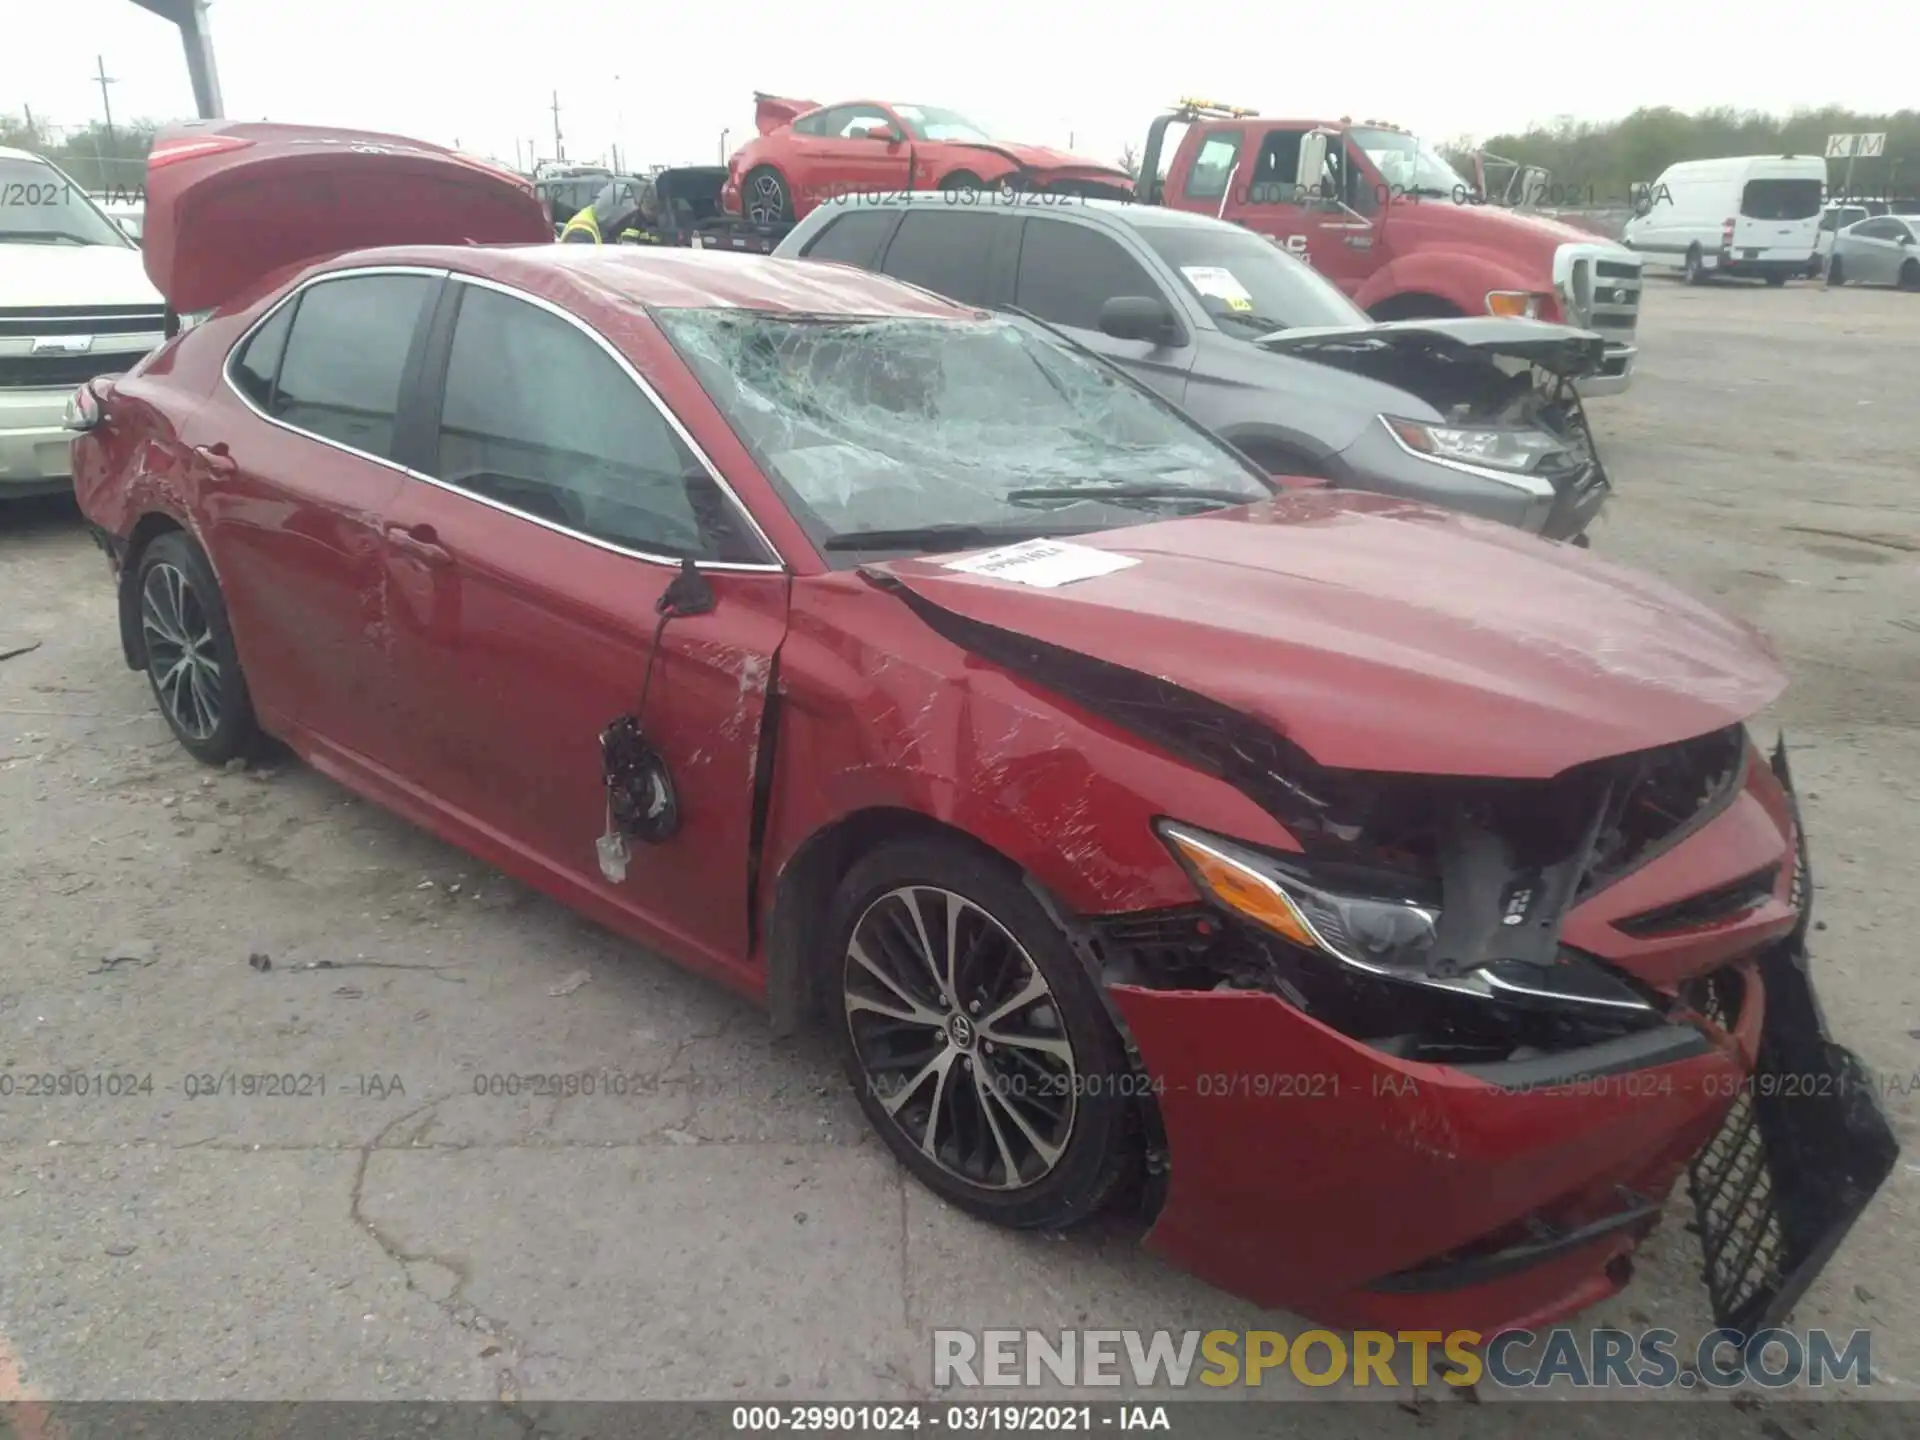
[1041,157]
[1557,349]
[33,276]
[1382,635]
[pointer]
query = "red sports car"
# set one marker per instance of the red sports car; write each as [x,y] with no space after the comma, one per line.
[1394,905]
[806,153]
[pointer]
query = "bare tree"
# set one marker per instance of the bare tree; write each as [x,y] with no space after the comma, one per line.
[1130,161]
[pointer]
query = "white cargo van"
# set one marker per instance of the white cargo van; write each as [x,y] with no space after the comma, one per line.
[1743,215]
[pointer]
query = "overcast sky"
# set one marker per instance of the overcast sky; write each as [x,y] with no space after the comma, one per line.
[665,80]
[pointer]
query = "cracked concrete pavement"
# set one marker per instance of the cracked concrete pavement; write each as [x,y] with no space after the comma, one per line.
[714,1220]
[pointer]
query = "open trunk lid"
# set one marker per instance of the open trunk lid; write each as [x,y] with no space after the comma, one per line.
[770,112]
[1558,349]
[228,202]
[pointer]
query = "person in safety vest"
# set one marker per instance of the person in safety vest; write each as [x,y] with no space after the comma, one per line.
[622,213]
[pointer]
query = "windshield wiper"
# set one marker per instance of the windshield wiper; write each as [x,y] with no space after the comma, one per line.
[36,236]
[1131,492]
[954,535]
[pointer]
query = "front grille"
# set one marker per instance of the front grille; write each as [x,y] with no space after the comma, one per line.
[23,372]
[1741,1237]
[1710,907]
[83,320]
[1613,288]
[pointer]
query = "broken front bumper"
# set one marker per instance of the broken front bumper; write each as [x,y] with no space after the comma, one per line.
[1803,1148]
[1308,1170]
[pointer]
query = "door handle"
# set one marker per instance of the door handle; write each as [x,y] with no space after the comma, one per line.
[419,541]
[216,458]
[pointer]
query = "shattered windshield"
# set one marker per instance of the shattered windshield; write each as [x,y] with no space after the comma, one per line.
[905,425]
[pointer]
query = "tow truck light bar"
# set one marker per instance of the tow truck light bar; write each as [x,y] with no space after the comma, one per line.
[1215,108]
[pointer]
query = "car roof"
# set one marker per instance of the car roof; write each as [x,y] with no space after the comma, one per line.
[1120,214]
[635,275]
[7,152]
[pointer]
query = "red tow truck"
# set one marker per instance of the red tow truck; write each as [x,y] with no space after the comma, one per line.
[1383,216]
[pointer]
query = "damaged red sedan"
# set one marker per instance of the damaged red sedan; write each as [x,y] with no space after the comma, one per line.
[1392,903]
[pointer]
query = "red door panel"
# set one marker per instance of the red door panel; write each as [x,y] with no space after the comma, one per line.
[292,526]
[515,644]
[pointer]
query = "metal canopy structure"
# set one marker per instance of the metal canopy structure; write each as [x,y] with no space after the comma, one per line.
[191,17]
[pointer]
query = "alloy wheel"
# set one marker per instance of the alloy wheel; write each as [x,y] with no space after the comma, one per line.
[766,200]
[181,655]
[959,1037]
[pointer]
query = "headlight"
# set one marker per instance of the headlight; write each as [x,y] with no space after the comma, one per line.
[1379,935]
[1512,450]
[1516,304]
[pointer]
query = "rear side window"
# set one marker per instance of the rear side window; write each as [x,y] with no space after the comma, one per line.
[1212,167]
[258,360]
[1068,271]
[944,251]
[1781,199]
[340,378]
[852,239]
[538,417]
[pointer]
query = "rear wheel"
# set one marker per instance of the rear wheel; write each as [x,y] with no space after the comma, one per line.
[1910,275]
[975,1041]
[1776,279]
[191,661]
[961,182]
[1694,272]
[765,199]
[1836,274]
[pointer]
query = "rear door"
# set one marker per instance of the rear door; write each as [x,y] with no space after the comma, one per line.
[554,501]
[295,461]
[952,251]
[1067,270]
[1779,217]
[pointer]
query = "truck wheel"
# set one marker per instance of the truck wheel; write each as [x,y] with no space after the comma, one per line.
[1695,273]
[768,201]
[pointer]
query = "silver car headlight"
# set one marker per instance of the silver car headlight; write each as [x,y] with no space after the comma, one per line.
[1518,451]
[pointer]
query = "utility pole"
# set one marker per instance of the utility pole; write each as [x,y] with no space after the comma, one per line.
[100,71]
[559,151]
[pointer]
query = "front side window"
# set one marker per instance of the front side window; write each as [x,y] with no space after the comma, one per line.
[930,122]
[1248,284]
[539,418]
[1068,272]
[340,378]
[40,206]
[852,239]
[896,424]
[1408,165]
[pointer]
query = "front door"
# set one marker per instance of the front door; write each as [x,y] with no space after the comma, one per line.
[1067,271]
[522,583]
[1332,223]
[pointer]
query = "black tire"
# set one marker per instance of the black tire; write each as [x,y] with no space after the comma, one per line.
[961,182]
[187,645]
[1910,275]
[765,198]
[1775,279]
[1004,1126]
[1694,272]
[1836,275]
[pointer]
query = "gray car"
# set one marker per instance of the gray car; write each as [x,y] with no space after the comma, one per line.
[1477,414]
[1884,250]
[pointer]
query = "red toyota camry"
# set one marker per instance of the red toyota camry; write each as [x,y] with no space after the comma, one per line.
[1393,905]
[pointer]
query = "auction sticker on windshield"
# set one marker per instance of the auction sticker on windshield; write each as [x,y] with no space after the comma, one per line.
[1218,282]
[1045,563]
